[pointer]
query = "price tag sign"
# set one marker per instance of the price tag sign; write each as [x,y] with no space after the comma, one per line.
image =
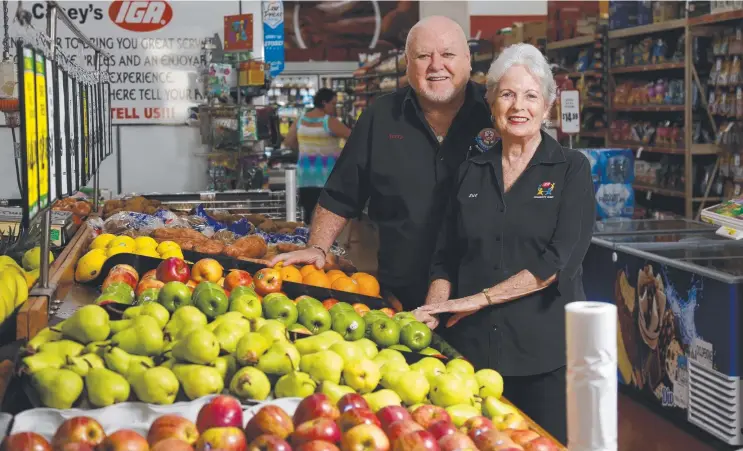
[570,112]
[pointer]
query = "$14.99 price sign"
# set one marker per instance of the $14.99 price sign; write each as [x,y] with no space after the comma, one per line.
[570,112]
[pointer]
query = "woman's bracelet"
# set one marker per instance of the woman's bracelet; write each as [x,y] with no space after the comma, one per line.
[324,254]
[487,296]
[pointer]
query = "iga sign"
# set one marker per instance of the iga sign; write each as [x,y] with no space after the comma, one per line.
[155,48]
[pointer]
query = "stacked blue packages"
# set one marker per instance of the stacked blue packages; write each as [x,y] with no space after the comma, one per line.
[242,227]
[613,172]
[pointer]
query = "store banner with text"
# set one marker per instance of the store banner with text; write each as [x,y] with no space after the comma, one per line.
[155,49]
[340,31]
[273,35]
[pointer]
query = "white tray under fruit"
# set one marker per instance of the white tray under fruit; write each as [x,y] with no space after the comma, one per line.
[137,416]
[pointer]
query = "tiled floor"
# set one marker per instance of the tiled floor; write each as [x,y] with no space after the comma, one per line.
[639,428]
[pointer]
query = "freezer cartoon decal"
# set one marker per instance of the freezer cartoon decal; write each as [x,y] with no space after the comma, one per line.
[655,331]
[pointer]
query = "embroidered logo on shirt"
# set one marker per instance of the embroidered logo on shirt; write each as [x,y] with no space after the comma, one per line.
[393,136]
[544,190]
[485,139]
[473,195]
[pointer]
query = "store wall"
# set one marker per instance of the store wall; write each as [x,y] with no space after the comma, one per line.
[487,17]
[459,11]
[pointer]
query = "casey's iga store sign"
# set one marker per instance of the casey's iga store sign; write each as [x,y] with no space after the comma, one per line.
[154,47]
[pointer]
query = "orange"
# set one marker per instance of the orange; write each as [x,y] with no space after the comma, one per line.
[345,283]
[368,284]
[356,275]
[334,275]
[316,279]
[306,269]
[290,274]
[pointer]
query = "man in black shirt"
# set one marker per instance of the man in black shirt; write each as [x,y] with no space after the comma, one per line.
[401,157]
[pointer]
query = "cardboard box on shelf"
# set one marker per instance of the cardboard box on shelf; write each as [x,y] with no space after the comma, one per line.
[665,11]
[515,36]
[535,31]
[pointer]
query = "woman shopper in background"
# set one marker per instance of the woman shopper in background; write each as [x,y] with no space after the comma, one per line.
[316,134]
[510,252]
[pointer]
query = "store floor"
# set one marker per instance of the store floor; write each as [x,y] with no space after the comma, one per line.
[639,428]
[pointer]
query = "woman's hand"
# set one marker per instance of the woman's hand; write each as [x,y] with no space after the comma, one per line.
[429,320]
[469,304]
[310,256]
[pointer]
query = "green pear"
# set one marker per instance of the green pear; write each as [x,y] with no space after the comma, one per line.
[57,388]
[362,375]
[368,347]
[250,384]
[200,347]
[229,317]
[227,366]
[120,361]
[199,380]
[295,385]
[470,382]
[42,360]
[411,386]
[155,385]
[335,391]
[251,347]
[144,337]
[490,383]
[390,368]
[229,334]
[347,350]
[96,347]
[448,390]
[169,363]
[89,323]
[389,355]
[460,413]
[45,335]
[429,367]
[183,318]
[84,363]
[460,366]
[106,387]
[256,323]
[63,348]
[119,325]
[275,330]
[320,342]
[323,366]
[152,309]
[382,398]
[496,409]
[282,358]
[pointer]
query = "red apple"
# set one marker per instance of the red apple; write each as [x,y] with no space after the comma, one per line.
[352,401]
[207,270]
[221,412]
[267,280]
[222,439]
[76,447]
[522,436]
[315,406]
[365,437]
[442,428]
[416,441]
[317,445]
[146,284]
[402,427]
[456,441]
[491,439]
[124,440]
[79,429]
[270,420]
[173,269]
[512,421]
[171,444]
[329,303]
[123,277]
[267,442]
[476,425]
[25,441]
[390,414]
[125,269]
[237,278]
[355,417]
[151,274]
[541,444]
[172,426]
[318,429]
[429,414]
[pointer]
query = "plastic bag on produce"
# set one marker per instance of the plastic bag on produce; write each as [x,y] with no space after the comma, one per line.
[225,236]
[277,238]
[96,224]
[127,220]
[241,227]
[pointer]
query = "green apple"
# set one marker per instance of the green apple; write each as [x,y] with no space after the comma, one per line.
[314,317]
[341,307]
[308,302]
[362,375]
[404,318]
[148,295]
[280,308]
[460,366]
[415,335]
[490,383]
[370,318]
[211,299]
[174,295]
[246,301]
[349,324]
[368,347]
[385,332]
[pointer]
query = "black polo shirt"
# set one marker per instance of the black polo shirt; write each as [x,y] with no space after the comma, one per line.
[393,160]
[543,224]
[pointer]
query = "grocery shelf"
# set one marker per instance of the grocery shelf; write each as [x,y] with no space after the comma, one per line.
[647,29]
[648,108]
[696,149]
[588,73]
[572,42]
[715,18]
[671,192]
[647,68]
[593,104]
[593,134]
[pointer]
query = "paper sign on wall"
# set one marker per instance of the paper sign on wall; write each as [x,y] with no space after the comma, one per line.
[273,35]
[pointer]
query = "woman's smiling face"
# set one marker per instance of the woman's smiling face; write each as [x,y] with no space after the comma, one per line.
[519,106]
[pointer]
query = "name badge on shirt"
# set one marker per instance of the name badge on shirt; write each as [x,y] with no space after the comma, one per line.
[486,139]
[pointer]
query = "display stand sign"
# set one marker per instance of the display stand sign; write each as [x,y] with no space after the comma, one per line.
[52,134]
[60,119]
[273,36]
[85,132]
[42,130]
[29,142]
[570,113]
[74,132]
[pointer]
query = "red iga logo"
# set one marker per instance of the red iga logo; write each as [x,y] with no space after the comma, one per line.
[142,16]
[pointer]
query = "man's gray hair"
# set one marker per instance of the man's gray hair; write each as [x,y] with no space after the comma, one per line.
[523,55]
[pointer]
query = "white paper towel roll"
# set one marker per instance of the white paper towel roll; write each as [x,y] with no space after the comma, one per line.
[591,334]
